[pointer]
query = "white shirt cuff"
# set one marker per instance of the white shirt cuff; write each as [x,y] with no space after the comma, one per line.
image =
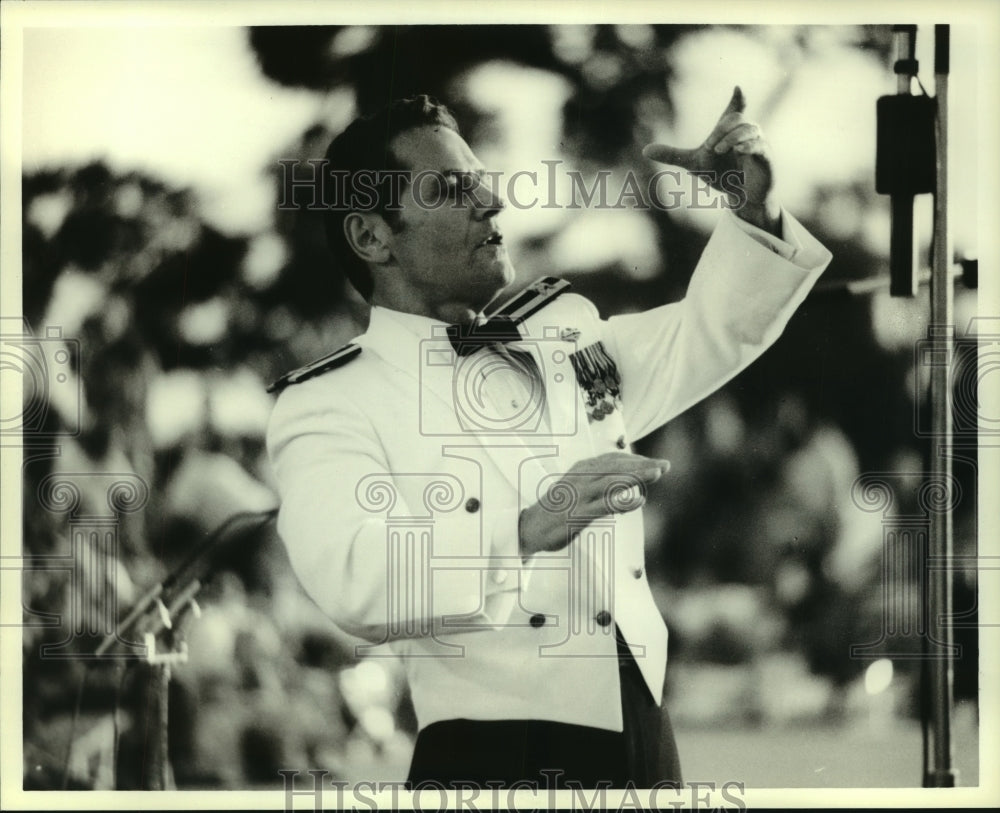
[795,244]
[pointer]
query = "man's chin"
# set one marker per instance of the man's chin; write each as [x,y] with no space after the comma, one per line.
[504,281]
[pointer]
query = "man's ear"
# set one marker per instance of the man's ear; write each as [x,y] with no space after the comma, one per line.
[368,236]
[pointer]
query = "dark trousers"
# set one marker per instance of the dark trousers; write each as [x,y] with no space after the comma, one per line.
[457,753]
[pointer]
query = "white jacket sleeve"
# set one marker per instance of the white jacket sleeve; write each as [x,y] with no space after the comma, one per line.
[372,575]
[744,290]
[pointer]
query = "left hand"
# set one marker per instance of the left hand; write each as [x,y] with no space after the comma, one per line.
[735,145]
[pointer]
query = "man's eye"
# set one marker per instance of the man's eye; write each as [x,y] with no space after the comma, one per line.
[461,183]
[458,183]
[467,180]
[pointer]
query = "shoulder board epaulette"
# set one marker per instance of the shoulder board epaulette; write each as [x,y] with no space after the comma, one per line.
[331,361]
[532,299]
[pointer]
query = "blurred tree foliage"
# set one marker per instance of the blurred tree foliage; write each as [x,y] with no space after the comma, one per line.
[763,468]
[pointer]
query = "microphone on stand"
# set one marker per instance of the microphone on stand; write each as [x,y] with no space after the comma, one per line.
[904,158]
[177,591]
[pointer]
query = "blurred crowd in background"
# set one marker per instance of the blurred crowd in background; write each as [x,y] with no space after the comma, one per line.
[175,308]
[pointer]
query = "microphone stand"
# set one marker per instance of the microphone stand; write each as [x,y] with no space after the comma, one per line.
[158,616]
[157,773]
[941,772]
[912,159]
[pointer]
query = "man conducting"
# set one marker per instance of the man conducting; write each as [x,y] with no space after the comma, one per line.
[461,487]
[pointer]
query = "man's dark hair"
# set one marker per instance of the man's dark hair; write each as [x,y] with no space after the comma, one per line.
[365,145]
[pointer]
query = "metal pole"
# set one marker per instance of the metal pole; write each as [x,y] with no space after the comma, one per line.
[902,246]
[157,776]
[941,772]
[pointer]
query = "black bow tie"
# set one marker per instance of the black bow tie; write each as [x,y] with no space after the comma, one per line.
[467,339]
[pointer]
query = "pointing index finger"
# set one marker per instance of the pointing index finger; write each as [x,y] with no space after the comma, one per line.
[737,104]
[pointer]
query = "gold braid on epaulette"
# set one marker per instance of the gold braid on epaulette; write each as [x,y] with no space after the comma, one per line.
[331,361]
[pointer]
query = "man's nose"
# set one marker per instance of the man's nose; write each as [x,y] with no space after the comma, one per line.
[488,201]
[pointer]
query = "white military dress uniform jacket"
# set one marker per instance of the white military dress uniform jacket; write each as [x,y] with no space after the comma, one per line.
[403,472]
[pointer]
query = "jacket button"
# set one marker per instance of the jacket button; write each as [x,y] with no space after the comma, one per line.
[537,620]
[472,505]
[637,573]
[603,618]
[620,443]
